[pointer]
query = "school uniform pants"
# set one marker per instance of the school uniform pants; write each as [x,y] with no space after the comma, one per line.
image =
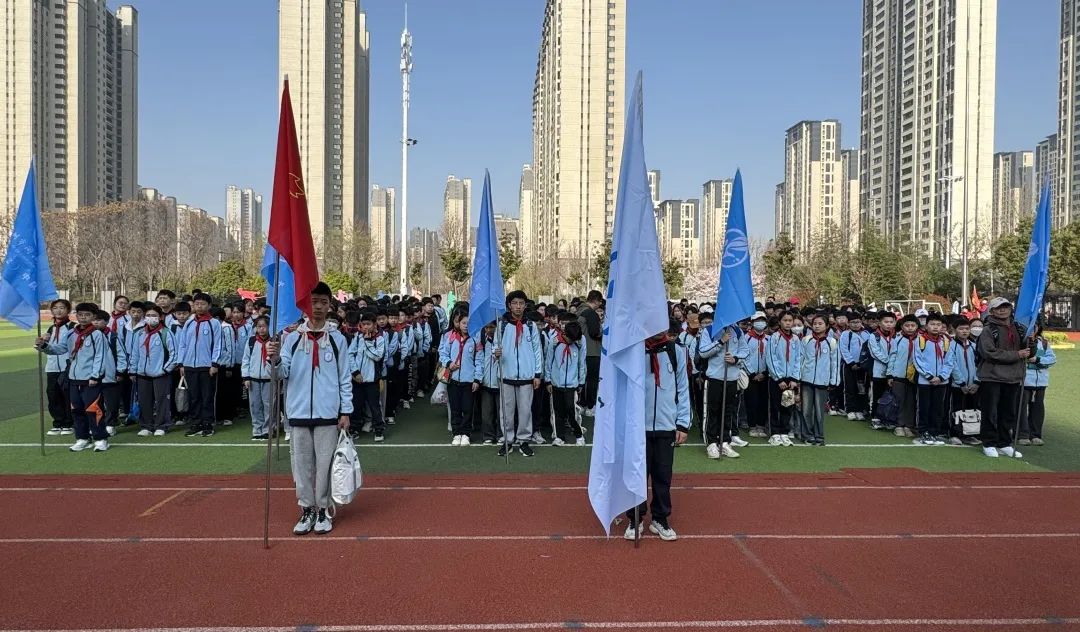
[999,410]
[259,406]
[931,419]
[813,412]
[959,400]
[592,381]
[756,402]
[155,395]
[1032,412]
[659,459]
[366,394]
[723,410]
[541,411]
[781,420]
[228,392]
[311,450]
[836,396]
[86,410]
[697,396]
[174,381]
[59,408]
[201,387]
[110,398]
[905,393]
[516,398]
[489,414]
[854,389]
[460,398]
[562,400]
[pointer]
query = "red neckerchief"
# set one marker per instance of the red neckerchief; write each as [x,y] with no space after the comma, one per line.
[937,344]
[116,320]
[911,345]
[653,348]
[81,333]
[1012,333]
[314,336]
[519,327]
[888,339]
[817,344]
[263,342]
[198,321]
[787,345]
[150,334]
[456,336]
[560,339]
[400,327]
[58,324]
[760,337]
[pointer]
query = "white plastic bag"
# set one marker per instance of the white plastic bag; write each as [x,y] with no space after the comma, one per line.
[970,421]
[346,476]
[438,396]
[180,397]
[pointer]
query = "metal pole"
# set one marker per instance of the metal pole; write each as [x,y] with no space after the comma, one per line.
[406,69]
[948,221]
[275,408]
[41,389]
[964,261]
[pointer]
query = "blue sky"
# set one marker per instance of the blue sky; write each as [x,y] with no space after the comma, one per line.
[723,80]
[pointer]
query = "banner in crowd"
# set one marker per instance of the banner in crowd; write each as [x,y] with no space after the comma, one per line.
[26,281]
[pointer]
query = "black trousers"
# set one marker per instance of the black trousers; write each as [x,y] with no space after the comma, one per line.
[659,460]
[592,381]
[86,410]
[959,400]
[541,411]
[1032,413]
[460,398]
[781,421]
[906,393]
[999,409]
[155,401]
[201,387]
[756,402]
[59,409]
[855,389]
[229,387]
[562,400]
[723,410]
[110,397]
[366,397]
[489,414]
[174,381]
[932,409]
[879,386]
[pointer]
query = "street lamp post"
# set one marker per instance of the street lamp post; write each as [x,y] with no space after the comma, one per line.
[406,142]
[949,181]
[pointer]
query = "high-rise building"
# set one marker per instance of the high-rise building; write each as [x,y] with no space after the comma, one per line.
[383,221]
[1014,191]
[527,213]
[457,204]
[1066,201]
[508,230]
[812,189]
[578,104]
[70,71]
[780,219]
[243,215]
[715,203]
[678,229]
[323,50]
[850,215]
[654,187]
[1048,168]
[928,120]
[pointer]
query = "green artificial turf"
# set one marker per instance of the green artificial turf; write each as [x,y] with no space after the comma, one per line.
[425,425]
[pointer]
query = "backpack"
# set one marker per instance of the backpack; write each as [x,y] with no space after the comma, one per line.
[866,359]
[346,477]
[889,408]
[674,360]
[333,345]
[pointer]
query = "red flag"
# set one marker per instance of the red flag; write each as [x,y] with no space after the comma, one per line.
[290,232]
[975,302]
[247,294]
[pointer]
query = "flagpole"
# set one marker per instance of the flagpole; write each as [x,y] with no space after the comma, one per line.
[275,403]
[41,389]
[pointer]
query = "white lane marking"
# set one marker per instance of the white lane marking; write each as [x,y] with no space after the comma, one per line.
[824,487]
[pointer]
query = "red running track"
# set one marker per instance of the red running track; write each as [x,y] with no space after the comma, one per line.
[861,550]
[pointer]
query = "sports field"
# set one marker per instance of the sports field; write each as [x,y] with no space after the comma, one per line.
[868,533]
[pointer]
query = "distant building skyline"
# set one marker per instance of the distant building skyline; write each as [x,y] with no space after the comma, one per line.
[243,216]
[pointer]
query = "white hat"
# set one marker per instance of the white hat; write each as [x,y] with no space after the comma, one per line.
[705,309]
[1000,301]
[758,316]
[922,312]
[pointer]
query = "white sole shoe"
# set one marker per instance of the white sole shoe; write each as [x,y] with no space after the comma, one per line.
[667,534]
[739,442]
[728,452]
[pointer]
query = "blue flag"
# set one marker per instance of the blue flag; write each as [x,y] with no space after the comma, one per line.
[1037,268]
[735,291]
[487,301]
[636,310]
[289,312]
[26,282]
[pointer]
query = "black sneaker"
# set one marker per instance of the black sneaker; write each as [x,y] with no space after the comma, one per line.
[504,449]
[260,437]
[193,431]
[208,431]
[526,450]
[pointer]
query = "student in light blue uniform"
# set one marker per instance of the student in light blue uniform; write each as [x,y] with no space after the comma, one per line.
[934,366]
[255,372]
[756,395]
[882,345]
[902,373]
[56,369]
[722,356]
[457,353]
[565,374]
[110,389]
[487,373]
[203,355]
[819,371]
[366,354]
[856,381]
[522,366]
[1037,378]
[964,394]
[784,355]
[153,357]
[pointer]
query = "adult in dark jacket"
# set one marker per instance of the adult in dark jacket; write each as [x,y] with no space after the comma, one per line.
[590,324]
[1003,352]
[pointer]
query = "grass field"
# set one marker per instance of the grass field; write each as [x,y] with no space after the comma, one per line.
[418,443]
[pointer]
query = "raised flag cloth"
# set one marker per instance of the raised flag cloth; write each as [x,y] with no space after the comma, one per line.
[1037,269]
[26,281]
[487,300]
[735,290]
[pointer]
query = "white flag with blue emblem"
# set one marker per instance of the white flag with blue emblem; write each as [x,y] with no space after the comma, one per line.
[636,310]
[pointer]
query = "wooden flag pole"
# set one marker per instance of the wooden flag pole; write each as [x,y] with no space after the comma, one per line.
[41,391]
[275,402]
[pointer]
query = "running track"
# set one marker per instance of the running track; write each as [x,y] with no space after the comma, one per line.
[858,550]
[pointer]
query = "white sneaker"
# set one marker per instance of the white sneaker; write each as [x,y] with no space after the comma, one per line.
[787,440]
[287,436]
[556,442]
[589,412]
[67,431]
[667,534]
[955,441]
[712,451]
[776,440]
[853,416]
[80,445]
[465,440]
[456,441]
[227,422]
[366,427]
[990,452]
[109,429]
[159,433]
[323,523]
[629,534]
[1010,452]
[739,442]
[390,421]
[580,441]
[860,416]
[538,439]
[726,450]
[306,522]
[54,432]
[420,394]
[449,427]
[405,405]
[101,446]
[145,433]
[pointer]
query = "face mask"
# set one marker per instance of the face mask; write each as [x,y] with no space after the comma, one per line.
[975,331]
[759,325]
[152,321]
[798,330]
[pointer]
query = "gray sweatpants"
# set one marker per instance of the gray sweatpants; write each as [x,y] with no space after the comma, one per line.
[517,398]
[312,450]
[259,404]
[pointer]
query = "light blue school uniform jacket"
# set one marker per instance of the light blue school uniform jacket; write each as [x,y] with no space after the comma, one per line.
[366,356]
[565,365]
[202,344]
[319,391]
[58,335]
[851,346]
[252,367]
[820,361]
[487,367]
[933,360]
[1038,372]
[153,359]
[235,339]
[86,363]
[784,357]
[713,351]
[391,349]
[964,369]
[690,343]
[453,348]
[882,347]
[757,350]
[667,390]
[902,357]
[522,359]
